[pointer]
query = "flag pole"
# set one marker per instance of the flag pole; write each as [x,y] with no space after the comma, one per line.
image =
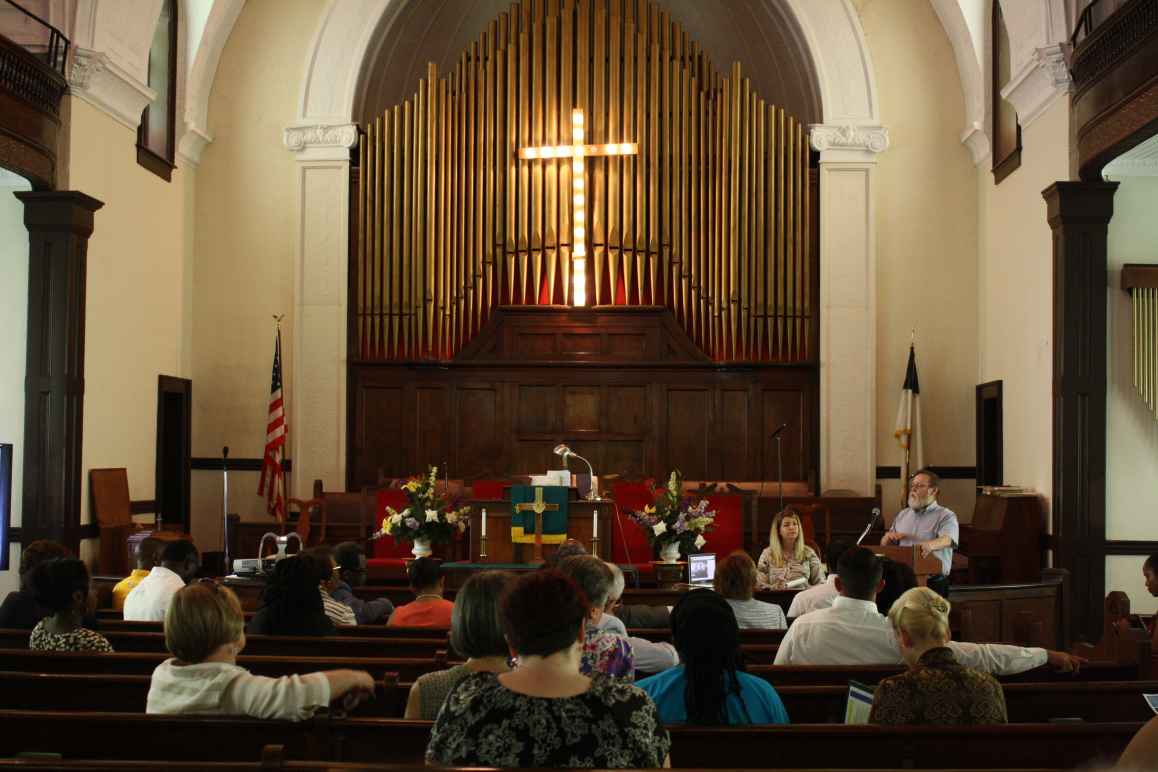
[285,412]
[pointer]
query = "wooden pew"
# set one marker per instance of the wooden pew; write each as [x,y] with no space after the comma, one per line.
[273,645]
[272,760]
[143,663]
[811,704]
[121,735]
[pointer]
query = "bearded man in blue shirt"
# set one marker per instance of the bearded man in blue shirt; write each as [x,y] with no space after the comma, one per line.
[928,525]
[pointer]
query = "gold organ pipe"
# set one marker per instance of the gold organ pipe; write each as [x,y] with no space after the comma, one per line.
[525,139]
[511,141]
[627,169]
[642,135]
[552,136]
[537,96]
[735,152]
[365,310]
[613,164]
[760,309]
[566,102]
[599,210]
[488,164]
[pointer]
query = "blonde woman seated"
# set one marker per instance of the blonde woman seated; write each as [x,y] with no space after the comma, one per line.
[205,631]
[476,632]
[735,580]
[787,559]
[937,689]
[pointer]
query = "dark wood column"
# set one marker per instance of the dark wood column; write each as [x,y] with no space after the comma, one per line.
[1078,213]
[59,225]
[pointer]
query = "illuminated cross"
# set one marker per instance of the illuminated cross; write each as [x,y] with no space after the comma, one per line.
[577,151]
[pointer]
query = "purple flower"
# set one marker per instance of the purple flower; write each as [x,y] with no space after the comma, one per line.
[681,524]
[411,523]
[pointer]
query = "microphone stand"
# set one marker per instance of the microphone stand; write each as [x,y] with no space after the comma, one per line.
[228,567]
[875,514]
[779,465]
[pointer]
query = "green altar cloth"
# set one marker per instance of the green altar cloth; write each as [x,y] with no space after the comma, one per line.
[552,500]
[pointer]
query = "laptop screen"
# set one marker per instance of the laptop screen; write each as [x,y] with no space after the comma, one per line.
[701,569]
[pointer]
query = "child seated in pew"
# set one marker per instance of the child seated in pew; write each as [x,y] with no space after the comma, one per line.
[937,689]
[711,687]
[205,631]
[62,589]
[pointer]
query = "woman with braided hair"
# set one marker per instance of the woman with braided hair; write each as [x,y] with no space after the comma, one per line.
[710,687]
[292,603]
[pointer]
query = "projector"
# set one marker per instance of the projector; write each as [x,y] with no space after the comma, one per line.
[248,566]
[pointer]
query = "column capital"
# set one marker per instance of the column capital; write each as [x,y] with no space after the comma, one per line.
[848,142]
[1073,203]
[58,210]
[321,141]
[1041,79]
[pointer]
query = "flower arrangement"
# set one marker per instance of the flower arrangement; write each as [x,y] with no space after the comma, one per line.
[427,516]
[675,518]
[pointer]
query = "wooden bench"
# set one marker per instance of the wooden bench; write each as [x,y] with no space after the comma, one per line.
[1027,702]
[129,736]
[273,759]
[143,663]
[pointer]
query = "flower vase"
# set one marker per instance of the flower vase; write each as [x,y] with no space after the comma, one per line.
[670,552]
[421,548]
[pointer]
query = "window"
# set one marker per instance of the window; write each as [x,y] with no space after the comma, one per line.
[156,134]
[1006,128]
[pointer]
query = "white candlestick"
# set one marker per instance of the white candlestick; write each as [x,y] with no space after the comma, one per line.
[484,522]
[595,523]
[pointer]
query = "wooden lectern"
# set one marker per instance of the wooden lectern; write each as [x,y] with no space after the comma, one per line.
[911,556]
[581,516]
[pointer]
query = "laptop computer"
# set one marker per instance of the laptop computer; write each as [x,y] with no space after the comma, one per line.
[701,570]
[859,704]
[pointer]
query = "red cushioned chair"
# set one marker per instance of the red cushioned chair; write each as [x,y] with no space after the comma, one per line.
[637,552]
[728,534]
[388,555]
[490,490]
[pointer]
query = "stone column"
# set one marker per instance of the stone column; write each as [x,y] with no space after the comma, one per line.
[848,325]
[59,225]
[319,332]
[1078,214]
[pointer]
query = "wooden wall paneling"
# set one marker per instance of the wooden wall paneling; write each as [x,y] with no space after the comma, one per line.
[376,431]
[732,429]
[537,411]
[689,431]
[433,424]
[581,409]
[626,409]
[479,447]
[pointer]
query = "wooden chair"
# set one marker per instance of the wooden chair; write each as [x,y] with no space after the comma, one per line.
[310,512]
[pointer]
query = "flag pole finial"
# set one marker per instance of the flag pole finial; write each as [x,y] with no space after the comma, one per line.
[913,336]
[277,319]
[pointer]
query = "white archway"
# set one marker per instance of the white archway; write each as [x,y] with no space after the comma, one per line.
[848,140]
[204,52]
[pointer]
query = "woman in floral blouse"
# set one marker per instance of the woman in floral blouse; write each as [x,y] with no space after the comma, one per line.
[545,713]
[787,557]
[62,589]
[603,651]
[937,689]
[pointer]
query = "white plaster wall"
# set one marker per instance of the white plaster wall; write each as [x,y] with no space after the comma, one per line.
[136,305]
[1015,274]
[13,349]
[1131,428]
[246,248]
[926,225]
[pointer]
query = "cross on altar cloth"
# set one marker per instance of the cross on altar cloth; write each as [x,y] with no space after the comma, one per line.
[539,515]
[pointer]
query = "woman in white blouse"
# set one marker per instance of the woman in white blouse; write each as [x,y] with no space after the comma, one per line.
[787,558]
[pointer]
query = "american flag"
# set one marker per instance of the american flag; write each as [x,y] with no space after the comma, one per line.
[272,480]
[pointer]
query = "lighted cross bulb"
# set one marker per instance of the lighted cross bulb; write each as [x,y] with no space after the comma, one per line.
[577,151]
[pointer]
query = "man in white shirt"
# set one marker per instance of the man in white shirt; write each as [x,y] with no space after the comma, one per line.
[821,595]
[150,599]
[853,632]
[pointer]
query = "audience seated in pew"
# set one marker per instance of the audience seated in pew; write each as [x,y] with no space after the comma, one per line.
[338,612]
[639,615]
[787,558]
[853,632]
[205,631]
[476,632]
[149,600]
[545,712]
[20,611]
[711,687]
[821,595]
[148,557]
[291,602]
[937,689]
[62,589]
[1141,755]
[735,580]
[650,656]
[603,651]
[429,608]
[351,560]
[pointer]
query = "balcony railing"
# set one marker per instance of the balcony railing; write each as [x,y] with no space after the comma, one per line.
[35,35]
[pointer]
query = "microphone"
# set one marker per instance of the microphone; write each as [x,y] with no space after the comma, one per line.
[779,429]
[867,528]
[565,452]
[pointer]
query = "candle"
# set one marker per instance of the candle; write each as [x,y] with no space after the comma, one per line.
[484,521]
[595,523]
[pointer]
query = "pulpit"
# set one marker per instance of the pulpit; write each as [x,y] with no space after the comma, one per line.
[1004,540]
[911,556]
[588,521]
